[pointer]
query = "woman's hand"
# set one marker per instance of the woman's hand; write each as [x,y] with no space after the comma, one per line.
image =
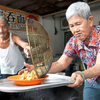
[28,68]
[78,79]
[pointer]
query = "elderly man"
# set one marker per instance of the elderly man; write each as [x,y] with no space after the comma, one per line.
[11,60]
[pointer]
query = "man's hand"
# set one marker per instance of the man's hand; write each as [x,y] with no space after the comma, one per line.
[27,51]
[28,68]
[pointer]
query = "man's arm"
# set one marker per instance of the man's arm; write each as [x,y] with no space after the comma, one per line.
[62,63]
[18,40]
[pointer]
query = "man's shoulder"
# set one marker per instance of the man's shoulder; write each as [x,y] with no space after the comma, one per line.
[15,37]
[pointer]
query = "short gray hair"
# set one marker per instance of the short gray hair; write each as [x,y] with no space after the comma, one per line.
[78,8]
[3,18]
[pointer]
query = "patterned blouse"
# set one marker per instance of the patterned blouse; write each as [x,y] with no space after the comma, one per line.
[87,54]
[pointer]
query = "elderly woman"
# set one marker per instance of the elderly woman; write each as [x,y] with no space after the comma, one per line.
[86,44]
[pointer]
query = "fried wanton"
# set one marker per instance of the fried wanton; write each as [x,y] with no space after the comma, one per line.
[28,75]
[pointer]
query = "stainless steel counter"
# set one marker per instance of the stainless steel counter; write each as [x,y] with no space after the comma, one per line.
[53,80]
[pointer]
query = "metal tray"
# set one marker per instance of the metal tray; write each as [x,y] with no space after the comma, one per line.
[53,80]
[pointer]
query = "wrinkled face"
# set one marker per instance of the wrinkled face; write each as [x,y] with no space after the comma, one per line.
[80,27]
[4,29]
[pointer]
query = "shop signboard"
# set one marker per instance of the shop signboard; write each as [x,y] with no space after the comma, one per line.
[16,18]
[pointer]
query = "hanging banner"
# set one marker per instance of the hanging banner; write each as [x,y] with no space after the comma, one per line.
[17,18]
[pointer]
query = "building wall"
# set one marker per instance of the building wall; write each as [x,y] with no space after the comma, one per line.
[96,14]
[58,39]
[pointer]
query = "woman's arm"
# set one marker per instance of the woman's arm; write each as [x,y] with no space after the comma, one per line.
[57,66]
[93,71]
[89,73]
[62,63]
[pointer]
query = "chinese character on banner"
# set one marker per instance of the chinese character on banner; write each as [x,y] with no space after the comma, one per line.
[10,16]
[20,18]
[16,18]
[1,12]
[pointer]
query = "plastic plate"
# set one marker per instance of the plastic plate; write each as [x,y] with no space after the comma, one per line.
[15,78]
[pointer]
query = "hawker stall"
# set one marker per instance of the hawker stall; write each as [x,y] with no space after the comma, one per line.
[38,84]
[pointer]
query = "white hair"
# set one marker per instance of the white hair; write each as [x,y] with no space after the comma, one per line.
[78,8]
[3,18]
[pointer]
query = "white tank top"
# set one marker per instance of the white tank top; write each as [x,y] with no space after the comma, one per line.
[11,60]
